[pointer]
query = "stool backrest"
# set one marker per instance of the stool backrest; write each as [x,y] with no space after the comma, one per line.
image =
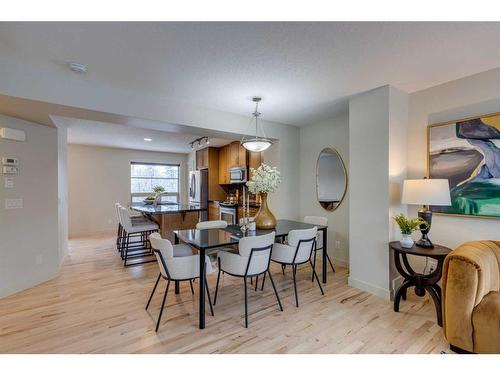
[117,210]
[126,221]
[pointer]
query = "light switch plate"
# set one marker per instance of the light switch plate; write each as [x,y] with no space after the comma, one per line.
[9,182]
[13,203]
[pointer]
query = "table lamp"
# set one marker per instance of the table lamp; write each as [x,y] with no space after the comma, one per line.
[426,192]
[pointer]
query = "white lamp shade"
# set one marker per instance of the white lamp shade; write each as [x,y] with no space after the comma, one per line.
[433,192]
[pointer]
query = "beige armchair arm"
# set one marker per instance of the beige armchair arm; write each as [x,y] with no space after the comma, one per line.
[470,272]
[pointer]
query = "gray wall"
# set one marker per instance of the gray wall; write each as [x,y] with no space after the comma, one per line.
[100,176]
[29,249]
[474,95]
[333,133]
[377,138]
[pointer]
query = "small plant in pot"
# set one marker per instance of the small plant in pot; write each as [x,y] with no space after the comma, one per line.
[159,190]
[407,227]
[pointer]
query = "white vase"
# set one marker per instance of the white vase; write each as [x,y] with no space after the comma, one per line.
[407,241]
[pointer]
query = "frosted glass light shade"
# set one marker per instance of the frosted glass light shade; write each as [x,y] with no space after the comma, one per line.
[433,192]
[256,144]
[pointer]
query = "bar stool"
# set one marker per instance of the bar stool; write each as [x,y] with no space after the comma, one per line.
[120,233]
[132,229]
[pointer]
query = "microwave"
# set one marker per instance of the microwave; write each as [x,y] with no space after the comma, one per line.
[237,175]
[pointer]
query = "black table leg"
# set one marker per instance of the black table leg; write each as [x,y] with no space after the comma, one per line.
[177,283]
[325,249]
[401,293]
[422,282]
[202,290]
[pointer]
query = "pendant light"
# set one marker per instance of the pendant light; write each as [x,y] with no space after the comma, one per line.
[256,144]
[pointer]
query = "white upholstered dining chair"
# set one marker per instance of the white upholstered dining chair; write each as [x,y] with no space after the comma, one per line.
[252,259]
[212,224]
[296,251]
[318,220]
[176,263]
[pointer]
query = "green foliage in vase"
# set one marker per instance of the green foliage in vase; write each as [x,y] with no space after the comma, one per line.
[407,225]
[159,189]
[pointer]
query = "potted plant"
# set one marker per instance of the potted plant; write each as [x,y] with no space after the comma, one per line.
[264,180]
[159,190]
[407,227]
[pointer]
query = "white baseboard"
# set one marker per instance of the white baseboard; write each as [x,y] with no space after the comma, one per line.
[370,288]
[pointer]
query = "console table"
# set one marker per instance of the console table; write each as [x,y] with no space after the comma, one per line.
[421,282]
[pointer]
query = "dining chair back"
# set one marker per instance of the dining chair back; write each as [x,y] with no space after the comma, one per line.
[298,250]
[175,266]
[211,224]
[303,240]
[258,251]
[253,258]
[318,220]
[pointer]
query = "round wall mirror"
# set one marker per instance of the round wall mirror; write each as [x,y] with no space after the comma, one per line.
[331,179]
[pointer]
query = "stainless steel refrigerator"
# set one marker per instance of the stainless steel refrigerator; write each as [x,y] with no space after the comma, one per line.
[198,191]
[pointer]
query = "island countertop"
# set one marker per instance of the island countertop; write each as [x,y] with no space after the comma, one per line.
[166,208]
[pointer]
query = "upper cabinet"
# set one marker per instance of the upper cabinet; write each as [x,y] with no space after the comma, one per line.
[209,158]
[235,155]
[254,159]
[224,165]
[202,158]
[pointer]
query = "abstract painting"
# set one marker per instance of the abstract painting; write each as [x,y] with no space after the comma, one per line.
[467,153]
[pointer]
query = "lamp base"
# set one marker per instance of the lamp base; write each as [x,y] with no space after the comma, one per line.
[424,242]
[426,215]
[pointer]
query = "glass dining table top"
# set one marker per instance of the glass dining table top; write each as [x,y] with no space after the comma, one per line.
[211,238]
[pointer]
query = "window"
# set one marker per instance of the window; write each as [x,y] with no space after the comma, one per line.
[145,176]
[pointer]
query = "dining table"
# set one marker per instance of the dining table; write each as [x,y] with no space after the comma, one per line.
[205,240]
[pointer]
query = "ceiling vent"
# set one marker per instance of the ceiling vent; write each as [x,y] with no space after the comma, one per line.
[77,68]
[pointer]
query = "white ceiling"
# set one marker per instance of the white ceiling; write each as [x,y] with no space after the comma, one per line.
[97,133]
[303,71]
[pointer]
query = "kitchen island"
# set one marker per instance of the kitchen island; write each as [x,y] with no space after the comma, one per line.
[171,216]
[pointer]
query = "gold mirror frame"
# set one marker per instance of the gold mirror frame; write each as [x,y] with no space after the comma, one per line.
[330,150]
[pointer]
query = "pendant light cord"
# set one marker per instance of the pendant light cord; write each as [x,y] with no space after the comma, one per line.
[256,115]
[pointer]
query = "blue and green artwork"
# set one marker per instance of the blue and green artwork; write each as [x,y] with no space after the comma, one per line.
[467,153]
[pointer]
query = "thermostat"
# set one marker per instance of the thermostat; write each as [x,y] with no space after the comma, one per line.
[10,161]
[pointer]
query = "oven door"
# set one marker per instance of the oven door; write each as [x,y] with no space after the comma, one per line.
[228,215]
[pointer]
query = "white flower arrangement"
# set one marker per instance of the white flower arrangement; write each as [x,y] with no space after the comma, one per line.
[264,179]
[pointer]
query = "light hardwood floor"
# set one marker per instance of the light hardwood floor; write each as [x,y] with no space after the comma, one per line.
[97,306]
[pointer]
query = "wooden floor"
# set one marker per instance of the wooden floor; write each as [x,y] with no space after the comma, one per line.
[97,306]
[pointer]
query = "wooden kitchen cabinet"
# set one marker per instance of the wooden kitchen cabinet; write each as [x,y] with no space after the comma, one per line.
[224,165]
[242,155]
[237,155]
[234,151]
[254,159]
[215,191]
[202,158]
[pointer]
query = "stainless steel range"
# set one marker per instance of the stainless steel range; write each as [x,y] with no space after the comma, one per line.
[228,212]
